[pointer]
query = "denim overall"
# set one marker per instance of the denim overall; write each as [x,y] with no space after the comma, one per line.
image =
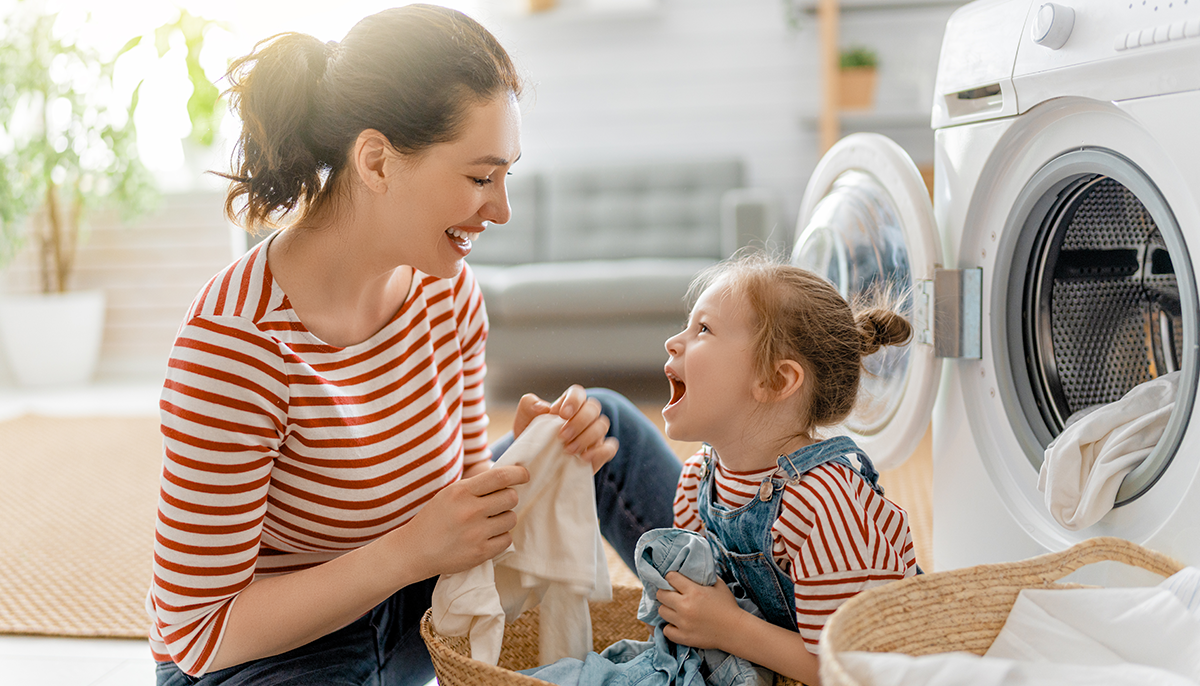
[741,538]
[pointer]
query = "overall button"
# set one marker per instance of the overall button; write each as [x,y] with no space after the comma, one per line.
[765,489]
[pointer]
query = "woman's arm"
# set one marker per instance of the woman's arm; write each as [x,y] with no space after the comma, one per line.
[463,525]
[709,617]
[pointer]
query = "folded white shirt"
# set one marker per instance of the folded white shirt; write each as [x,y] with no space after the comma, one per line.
[556,559]
[1085,464]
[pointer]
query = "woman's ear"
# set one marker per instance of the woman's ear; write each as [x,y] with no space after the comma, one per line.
[370,159]
[786,382]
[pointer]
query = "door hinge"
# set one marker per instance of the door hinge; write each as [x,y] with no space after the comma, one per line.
[947,311]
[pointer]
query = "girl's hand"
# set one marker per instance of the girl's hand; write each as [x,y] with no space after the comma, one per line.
[466,522]
[698,616]
[586,429]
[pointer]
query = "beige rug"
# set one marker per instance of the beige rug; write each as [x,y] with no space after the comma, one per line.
[77,510]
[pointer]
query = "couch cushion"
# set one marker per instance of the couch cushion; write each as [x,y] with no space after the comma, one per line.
[517,241]
[643,210]
[588,290]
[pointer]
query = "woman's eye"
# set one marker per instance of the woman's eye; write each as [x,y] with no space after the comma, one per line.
[481,182]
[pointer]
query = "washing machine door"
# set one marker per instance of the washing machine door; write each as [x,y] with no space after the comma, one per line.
[866,224]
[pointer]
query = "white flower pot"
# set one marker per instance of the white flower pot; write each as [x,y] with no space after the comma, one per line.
[54,339]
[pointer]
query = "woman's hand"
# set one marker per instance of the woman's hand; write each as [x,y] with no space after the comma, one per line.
[468,521]
[586,429]
[698,616]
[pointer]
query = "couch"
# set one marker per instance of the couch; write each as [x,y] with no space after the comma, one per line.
[590,273]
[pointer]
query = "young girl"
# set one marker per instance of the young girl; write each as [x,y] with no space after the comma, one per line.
[771,355]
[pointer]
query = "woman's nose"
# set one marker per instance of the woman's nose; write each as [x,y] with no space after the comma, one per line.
[496,209]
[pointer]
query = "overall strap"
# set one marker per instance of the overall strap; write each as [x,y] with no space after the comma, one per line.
[835,449]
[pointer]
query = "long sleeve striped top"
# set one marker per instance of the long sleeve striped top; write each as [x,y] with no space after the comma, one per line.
[834,536]
[281,452]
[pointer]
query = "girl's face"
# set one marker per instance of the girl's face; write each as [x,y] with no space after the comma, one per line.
[446,196]
[711,370]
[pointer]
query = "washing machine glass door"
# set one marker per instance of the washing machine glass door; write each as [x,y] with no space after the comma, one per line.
[866,224]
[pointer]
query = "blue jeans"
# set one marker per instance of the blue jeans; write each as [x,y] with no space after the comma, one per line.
[634,493]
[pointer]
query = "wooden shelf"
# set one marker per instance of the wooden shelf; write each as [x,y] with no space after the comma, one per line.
[810,6]
[872,120]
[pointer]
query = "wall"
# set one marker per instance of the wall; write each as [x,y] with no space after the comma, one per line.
[700,78]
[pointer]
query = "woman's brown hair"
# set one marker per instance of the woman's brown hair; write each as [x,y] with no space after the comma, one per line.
[410,73]
[800,316]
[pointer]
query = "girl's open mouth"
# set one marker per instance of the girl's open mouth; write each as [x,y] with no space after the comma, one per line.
[678,388]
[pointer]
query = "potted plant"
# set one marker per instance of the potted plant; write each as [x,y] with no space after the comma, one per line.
[205,106]
[65,151]
[858,78]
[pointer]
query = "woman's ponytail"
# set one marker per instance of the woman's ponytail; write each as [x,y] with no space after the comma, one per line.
[274,90]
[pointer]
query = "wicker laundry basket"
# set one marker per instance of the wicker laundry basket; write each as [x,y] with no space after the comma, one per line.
[611,622]
[961,609]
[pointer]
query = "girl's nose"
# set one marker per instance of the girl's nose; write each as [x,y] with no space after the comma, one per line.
[672,345]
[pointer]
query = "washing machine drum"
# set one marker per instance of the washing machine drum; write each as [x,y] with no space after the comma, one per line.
[1100,299]
[1101,309]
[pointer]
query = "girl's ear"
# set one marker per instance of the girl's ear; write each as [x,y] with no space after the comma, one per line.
[370,157]
[787,381]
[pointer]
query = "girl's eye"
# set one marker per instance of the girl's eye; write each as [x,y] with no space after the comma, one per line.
[704,328]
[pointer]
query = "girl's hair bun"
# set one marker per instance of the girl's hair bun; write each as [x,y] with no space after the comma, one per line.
[879,327]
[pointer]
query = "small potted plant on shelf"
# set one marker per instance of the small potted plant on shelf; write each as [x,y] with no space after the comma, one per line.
[858,78]
[67,150]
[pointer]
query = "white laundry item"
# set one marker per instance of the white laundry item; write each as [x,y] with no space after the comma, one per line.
[1085,464]
[1126,636]
[556,559]
[1102,626]
[956,669]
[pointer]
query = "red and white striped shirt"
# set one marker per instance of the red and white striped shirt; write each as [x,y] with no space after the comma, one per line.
[281,452]
[834,536]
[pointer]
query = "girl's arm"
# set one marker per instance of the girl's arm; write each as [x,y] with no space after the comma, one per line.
[709,617]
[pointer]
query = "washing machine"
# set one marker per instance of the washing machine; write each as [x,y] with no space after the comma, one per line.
[1052,270]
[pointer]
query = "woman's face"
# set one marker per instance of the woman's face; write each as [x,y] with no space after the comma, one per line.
[446,196]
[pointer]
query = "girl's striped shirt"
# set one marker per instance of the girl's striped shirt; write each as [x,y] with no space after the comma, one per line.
[834,536]
[281,452]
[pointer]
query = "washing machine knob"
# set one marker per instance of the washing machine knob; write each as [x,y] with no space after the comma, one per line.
[1052,25]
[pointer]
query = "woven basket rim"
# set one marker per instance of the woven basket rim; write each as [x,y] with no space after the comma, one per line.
[968,605]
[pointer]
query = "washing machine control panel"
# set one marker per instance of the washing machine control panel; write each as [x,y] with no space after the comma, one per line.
[1107,49]
[1090,29]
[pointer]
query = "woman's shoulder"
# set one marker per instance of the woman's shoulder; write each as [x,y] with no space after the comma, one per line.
[243,289]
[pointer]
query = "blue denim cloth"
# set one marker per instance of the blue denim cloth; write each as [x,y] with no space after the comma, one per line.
[659,661]
[635,492]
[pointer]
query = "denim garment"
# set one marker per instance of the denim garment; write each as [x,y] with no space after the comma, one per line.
[742,539]
[659,661]
[635,492]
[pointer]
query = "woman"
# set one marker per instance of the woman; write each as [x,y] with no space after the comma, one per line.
[325,444]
